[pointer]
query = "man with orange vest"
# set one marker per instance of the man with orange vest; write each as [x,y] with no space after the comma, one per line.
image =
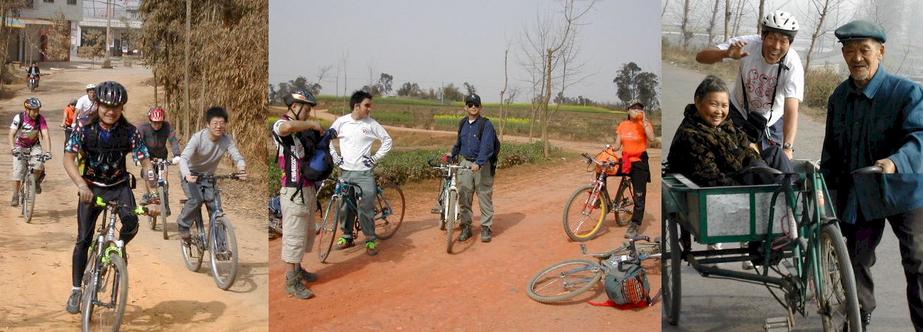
[632,137]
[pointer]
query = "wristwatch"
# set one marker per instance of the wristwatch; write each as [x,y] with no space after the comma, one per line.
[788,146]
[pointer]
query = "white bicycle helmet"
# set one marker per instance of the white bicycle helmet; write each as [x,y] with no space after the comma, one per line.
[781,21]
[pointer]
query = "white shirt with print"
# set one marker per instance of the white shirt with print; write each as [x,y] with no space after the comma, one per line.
[356,138]
[760,79]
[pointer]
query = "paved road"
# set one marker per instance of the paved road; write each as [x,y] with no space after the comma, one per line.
[719,305]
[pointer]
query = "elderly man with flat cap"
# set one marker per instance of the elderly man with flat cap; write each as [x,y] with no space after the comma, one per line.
[875,118]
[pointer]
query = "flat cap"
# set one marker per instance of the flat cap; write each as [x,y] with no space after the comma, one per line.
[860,29]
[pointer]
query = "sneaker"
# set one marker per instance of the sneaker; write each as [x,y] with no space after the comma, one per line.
[307,276]
[294,287]
[185,235]
[73,302]
[345,242]
[632,231]
[15,201]
[486,233]
[747,265]
[371,248]
[465,233]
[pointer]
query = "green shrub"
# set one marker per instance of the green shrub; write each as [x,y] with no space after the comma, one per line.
[819,85]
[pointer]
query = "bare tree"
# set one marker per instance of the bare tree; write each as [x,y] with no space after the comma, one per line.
[506,55]
[666,3]
[822,9]
[759,18]
[322,73]
[558,49]
[739,13]
[727,18]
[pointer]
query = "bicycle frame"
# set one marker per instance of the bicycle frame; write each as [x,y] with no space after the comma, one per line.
[211,182]
[450,184]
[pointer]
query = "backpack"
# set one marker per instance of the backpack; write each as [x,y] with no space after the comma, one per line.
[626,283]
[318,163]
[493,158]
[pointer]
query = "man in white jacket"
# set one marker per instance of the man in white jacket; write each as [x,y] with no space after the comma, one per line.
[356,133]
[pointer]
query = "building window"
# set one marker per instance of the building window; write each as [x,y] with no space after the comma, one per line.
[71,2]
[49,1]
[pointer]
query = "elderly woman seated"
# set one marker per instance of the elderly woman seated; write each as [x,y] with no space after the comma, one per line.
[708,149]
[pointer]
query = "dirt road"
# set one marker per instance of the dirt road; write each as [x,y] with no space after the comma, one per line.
[35,259]
[414,285]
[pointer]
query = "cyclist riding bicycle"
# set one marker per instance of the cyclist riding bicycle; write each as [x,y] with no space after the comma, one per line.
[356,132]
[86,107]
[29,131]
[34,71]
[103,144]
[68,119]
[202,155]
[157,132]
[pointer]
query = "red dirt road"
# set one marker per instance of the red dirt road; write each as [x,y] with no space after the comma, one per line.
[414,285]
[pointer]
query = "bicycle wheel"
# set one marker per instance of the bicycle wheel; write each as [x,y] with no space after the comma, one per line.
[193,251]
[389,211]
[28,197]
[564,280]
[581,221]
[328,229]
[671,260]
[451,219]
[624,205]
[224,255]
[162,193]
[106,298]
[839,304]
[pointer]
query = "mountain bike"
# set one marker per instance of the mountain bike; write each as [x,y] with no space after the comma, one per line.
[104,289]
[388,214]
[28,180]
[32,83]
[448,200]
[587,207]
[567,279]
[163,192]
[219,240]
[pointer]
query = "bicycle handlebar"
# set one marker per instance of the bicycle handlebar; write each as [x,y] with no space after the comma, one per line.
[140,209]
[868,170]
[212,177]
[432,164]
[590,159]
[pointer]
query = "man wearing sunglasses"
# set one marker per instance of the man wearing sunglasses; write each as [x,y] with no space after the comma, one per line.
[477,145]
[356,132]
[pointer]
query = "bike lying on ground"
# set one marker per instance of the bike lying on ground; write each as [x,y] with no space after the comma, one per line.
[567,279]
[219,240]
[448,200]
[105,281]
[792,229]
[28,181]
[587,207]
[388,214]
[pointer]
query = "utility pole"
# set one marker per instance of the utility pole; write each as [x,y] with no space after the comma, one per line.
[188,112]
[107,63]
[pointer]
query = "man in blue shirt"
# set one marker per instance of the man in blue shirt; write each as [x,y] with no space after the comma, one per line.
[876,119]
[476,146]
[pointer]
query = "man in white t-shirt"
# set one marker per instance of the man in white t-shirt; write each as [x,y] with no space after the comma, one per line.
[773,92]
[86,107]
[356,132]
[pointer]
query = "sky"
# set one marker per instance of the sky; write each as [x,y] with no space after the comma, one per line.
[440,42]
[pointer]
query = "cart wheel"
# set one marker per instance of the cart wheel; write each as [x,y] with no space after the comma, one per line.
[838,297]
[671,263]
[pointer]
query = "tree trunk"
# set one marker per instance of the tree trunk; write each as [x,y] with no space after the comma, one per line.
[738,14]
[759,19]
[711,23]
[503,92]
[545,100]
[684,27]
[187,106]
[727,18]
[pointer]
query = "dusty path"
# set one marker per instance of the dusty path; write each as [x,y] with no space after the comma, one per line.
[164,296]
[414,285]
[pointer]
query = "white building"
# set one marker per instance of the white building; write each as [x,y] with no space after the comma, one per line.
[123,15]
[33,24]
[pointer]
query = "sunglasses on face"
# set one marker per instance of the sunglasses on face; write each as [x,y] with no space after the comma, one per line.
[367,105]
[472,105]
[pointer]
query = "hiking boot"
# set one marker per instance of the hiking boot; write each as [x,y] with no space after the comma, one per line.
[371,248]
[73,302]
[465,233]
[486,233]
[632,231]
[15,201]
[866,319]
[294,287]
[345,242]
[185,235]
[307,276]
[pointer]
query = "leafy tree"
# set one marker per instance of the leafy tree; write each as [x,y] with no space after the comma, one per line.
[470,88]
[634,84]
